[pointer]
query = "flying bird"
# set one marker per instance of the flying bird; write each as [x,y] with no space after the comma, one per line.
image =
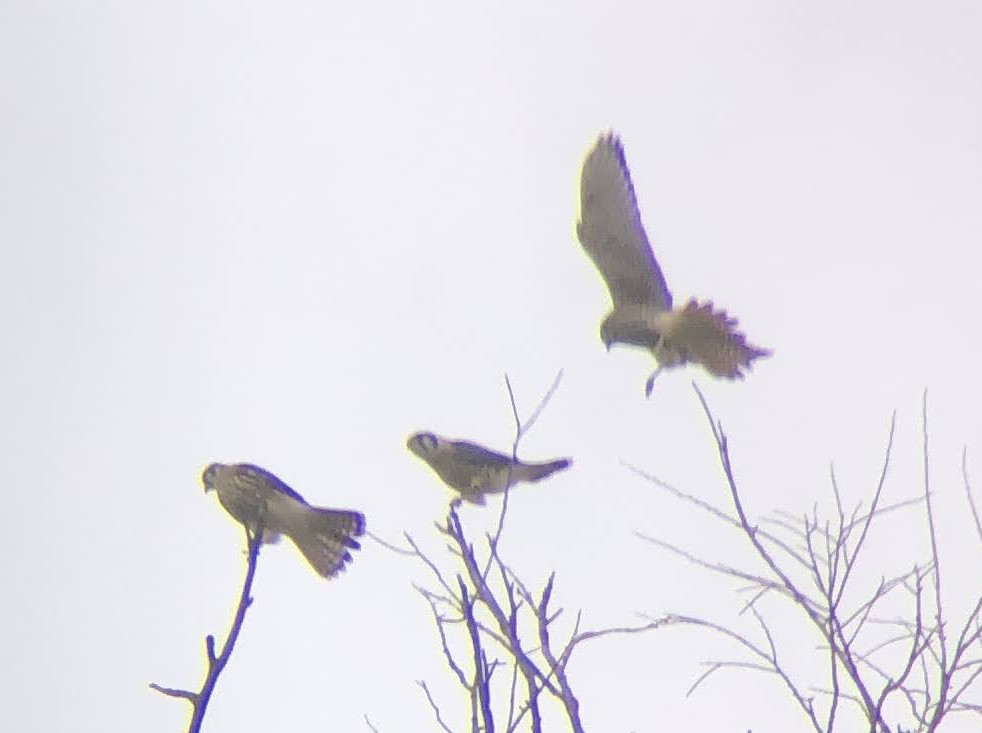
[475,471]
[611,232]
[249,492]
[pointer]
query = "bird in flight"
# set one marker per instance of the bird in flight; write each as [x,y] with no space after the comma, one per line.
[250,493]
[475,471]
[611,232]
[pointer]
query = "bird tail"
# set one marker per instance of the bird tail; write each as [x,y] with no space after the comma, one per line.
[539,471]
[710,336]
[325,536]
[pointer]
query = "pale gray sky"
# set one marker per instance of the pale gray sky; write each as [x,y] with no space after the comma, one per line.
[294,233]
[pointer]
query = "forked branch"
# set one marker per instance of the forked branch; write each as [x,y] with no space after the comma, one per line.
[936,672]
[216,662]
[488,619]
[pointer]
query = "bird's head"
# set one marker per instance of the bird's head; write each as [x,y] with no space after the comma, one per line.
[209,476]
[423,444]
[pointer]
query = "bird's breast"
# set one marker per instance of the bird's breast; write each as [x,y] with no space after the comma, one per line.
[278,511]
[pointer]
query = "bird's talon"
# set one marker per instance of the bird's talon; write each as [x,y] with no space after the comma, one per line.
[650,384]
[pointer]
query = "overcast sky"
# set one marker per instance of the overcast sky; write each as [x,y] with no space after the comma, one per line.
[293,233]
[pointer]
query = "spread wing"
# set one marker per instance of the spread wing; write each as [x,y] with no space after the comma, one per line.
[610,229]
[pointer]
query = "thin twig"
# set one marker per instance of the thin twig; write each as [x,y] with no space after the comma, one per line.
[433,705]
[389,546]
[521,429]
[945,680]
[968,492]
[568,699]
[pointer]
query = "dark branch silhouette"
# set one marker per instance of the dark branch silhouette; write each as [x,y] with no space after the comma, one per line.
[216,662]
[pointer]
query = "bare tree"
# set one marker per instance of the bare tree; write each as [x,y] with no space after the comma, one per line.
[216,662]
[923,660]
[496,634]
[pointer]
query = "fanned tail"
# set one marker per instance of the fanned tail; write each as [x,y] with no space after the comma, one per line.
[710,337]
[326,537]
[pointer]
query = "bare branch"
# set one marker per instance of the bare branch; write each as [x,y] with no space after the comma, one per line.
[440,621]
[615,631]
[830,552]
[433,705]
[521,429]
[192,697]
[568,699]
[715,511]
[755,580]
[430,564]
[968,492]
[769,663]
[392,547]
[932,534]
[216,662]
[867,522]
[482,674]
[495,606]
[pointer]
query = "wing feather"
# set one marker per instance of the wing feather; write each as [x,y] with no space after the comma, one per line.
[611,232]
[478,456]
[250,471]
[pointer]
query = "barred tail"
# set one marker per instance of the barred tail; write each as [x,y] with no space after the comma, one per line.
[709,336]
[326,537]
[338,522]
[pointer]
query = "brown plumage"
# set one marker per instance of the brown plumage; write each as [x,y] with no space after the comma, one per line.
[611,233]
[249,492]
[475,471]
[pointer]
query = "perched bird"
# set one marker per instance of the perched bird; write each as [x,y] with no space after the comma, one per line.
[474,470]
[324,536]
[610,231]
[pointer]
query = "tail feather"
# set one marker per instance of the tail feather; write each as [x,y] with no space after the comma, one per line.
[710,337]
[326,538]
[538,471]
[342,522]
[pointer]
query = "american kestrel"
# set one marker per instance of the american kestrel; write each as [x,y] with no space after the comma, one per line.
[324,536]
[611,232]
[474,470]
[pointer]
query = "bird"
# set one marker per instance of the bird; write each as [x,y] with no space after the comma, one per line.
[474,470]
[610,231]
[252,494]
